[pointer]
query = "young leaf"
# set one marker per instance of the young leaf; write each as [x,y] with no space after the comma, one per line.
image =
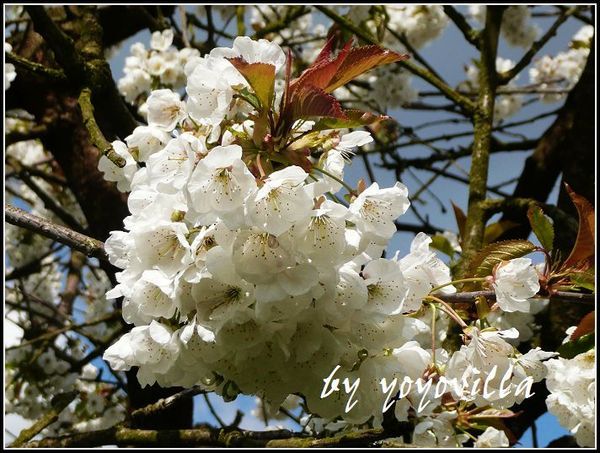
[311,101]
[584,248]
[572,348]
[585,326]
[320,73]
[329,73]
[442,244]
[542,227]
[495,230]
[484,262]
[260,76]
[461,220]
[360,60]
[584,279]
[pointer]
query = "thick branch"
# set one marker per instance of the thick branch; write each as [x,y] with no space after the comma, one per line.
[568,143]
[208,437]
[85,244]
[52,74]
[482,139]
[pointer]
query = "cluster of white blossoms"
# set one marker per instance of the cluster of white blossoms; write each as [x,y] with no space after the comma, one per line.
[392,89]
[420,24]
[9,69]
[38,371]
[245,272]
[160,66]
[34,378]
[517,28]
[505,105]
[572,399]
[560,73]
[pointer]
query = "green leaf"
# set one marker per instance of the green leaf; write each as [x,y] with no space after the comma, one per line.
[584,279]
[484,262]
[495,230]
[573,348]
[442,244]
[250,97]
[542,227]
[260,76]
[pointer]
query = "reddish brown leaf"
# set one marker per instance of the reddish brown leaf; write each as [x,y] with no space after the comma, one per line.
[311,101]
[461,220]
[260,76]
[327,50]
[320,73]
[584,249]
[586,325]
[360,60]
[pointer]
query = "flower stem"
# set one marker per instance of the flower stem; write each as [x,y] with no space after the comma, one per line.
[350,190]
[461,280]
[449,310]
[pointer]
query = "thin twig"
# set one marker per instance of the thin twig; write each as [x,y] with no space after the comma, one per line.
[96,136]
[165,403]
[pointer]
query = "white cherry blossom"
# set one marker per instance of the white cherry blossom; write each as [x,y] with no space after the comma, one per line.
[515,282]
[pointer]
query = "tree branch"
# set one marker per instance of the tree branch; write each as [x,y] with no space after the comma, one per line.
[96,136]
[462,24]
[559,296]
[55,75]
[482,139]
[208,437]
[507,76]
[85,244]
[165,403]
[58,405]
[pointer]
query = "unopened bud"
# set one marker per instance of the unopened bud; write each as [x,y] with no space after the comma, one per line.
[177,216]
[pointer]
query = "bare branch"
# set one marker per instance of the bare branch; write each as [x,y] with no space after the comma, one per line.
[462,24]
[165,403]
[58,405]
[96,136]
[208,437]
[55,75]
[85,244]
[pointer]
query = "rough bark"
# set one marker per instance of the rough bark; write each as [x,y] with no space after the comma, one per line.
[567,146]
